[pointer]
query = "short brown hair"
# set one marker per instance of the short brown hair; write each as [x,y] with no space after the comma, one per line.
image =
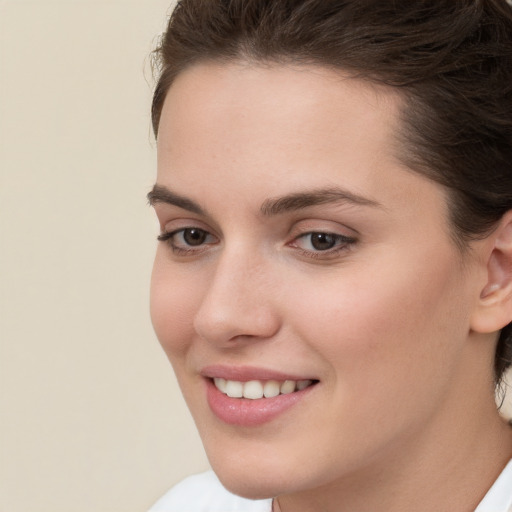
[450,59]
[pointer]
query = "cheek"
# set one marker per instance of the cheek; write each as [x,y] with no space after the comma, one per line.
[389,329]
[173,305]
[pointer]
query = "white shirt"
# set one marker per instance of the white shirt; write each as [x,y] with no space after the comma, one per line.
[204,493]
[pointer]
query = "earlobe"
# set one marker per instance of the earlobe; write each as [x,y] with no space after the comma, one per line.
[494,309]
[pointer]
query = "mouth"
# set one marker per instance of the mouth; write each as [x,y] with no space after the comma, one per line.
[250,397]
[258,389]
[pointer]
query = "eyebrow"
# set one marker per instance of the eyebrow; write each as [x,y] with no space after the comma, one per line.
[270,207]
[301,200]
[161,194]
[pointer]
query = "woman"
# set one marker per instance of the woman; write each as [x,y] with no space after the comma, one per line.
[333,282]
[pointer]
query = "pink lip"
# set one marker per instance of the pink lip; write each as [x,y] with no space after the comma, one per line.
[246,373]
[245,412]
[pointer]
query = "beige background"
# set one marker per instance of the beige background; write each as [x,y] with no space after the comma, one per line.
[91,418]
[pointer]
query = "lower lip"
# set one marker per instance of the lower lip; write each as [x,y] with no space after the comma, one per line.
[245,412]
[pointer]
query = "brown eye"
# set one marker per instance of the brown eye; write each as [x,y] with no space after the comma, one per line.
[322,244]
[322,241]
[194,236]
[188,240]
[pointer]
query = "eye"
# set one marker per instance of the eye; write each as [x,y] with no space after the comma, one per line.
[322,242]
[187,240]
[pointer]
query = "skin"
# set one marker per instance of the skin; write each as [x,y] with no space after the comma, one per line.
[397,325]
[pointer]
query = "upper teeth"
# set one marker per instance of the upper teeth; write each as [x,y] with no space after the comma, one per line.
[255,389]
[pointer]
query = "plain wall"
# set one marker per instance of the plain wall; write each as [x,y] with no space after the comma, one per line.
[91,417]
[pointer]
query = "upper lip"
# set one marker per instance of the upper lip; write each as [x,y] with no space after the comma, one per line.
[247,373]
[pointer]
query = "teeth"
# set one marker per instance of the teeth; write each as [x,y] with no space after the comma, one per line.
[288,386]
[234,389]
[221,384]
[303,384]
[271,388]
[255,389]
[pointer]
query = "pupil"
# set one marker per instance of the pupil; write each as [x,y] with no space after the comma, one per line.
[322,241]
[194,236]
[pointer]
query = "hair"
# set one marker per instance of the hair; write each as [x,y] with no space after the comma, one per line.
[451,61]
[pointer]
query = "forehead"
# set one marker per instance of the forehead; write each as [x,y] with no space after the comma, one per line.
[248,132]
[275,100]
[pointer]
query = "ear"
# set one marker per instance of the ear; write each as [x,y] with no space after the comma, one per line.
[494,309]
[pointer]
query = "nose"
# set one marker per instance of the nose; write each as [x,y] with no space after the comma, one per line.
[238,303]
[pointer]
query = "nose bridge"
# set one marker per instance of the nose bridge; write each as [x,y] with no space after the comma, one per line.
[237,302]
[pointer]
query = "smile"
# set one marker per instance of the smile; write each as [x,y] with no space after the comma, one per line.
[248,397]
[256,389]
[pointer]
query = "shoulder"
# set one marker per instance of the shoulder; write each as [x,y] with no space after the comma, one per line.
[204,493]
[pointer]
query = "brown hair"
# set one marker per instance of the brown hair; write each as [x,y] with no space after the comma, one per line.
[451,60]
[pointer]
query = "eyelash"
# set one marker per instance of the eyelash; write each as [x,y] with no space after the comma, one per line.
[342,243]
[168,238]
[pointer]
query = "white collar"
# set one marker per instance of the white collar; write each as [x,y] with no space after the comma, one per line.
[499,496]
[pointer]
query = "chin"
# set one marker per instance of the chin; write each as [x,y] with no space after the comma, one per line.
[262,477]
[253,487]
[249,477]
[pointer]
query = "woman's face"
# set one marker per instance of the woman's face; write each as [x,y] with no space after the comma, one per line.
[298,248]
